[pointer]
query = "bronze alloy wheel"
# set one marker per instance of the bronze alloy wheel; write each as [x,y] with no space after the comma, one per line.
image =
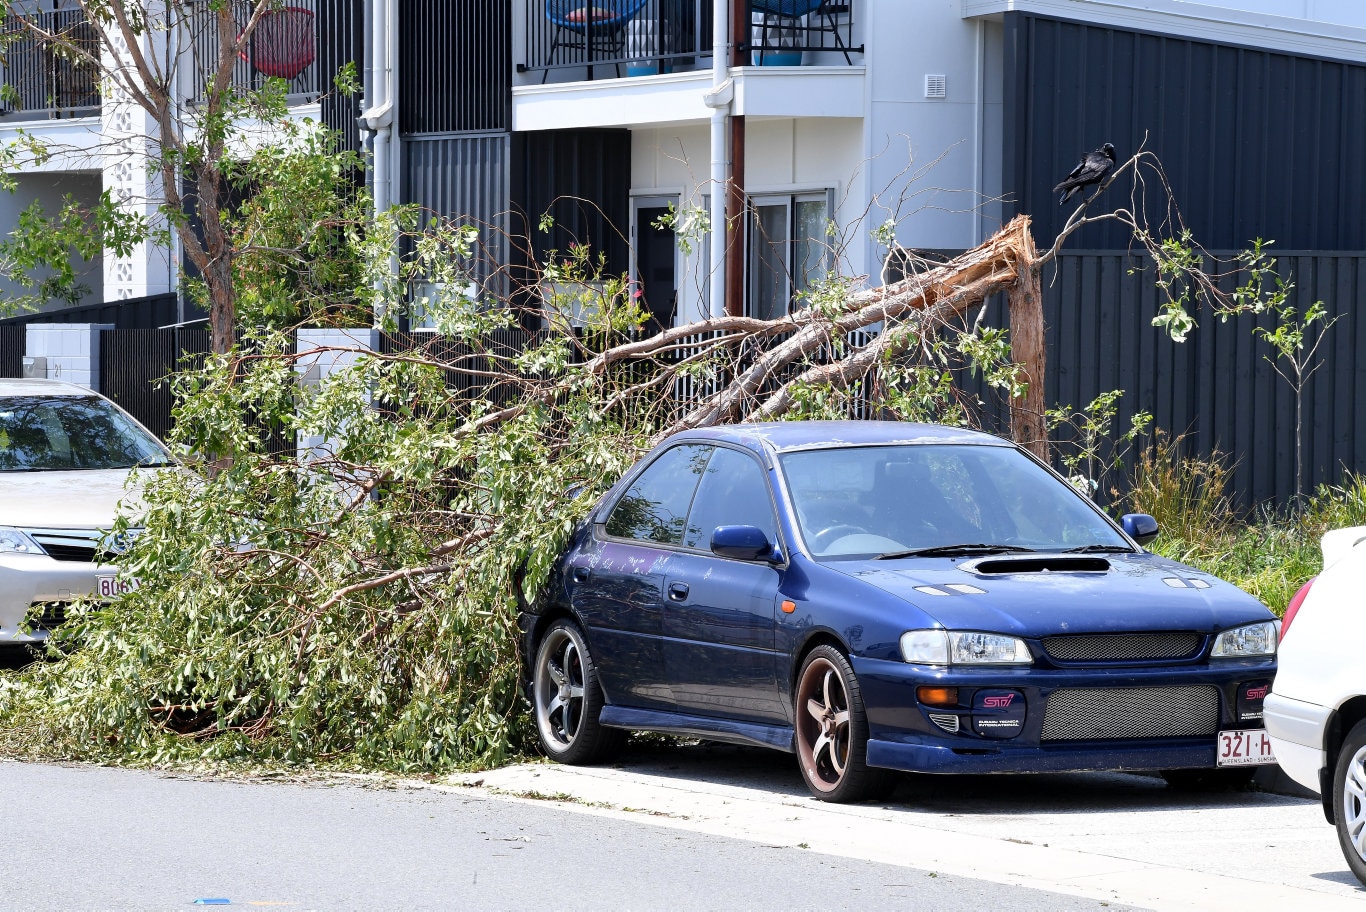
[832,732]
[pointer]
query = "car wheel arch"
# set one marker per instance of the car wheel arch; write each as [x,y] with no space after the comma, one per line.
[814,638]
[1342,721]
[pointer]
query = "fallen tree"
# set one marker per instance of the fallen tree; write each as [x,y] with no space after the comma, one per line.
[356,602]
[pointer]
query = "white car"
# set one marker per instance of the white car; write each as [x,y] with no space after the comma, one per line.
[1316,712]
[65,457]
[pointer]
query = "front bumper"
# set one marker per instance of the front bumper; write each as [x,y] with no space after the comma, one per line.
[903,736]
[37,582]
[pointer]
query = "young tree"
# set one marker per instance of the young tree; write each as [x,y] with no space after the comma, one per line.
[149,57]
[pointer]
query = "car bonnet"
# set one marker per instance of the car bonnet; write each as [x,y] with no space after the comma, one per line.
[83,499]
[1127,592]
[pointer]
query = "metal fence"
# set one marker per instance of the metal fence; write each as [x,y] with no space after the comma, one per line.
[284,45]
[134,365]
[641,37]
[45,82]
[1219,389]
[12,351]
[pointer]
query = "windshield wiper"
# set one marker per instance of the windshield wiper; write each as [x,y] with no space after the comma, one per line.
[1099,549]
[963,550]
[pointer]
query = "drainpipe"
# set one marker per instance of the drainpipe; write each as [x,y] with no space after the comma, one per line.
[378,117]
[719,99]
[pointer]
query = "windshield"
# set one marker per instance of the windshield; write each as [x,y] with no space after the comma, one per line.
[45,433]
[958,499]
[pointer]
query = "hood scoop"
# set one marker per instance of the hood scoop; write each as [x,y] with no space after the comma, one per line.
[1041,563]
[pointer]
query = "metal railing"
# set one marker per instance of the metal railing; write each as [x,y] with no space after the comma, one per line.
[283,46]
[43,79]
[612,38]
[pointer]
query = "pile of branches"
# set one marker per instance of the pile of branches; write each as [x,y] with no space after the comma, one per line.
[355,600]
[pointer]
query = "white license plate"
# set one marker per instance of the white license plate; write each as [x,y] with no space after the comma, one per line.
[114,586]
[1244,747]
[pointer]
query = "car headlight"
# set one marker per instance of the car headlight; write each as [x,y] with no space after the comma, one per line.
[14,541]
[1251,640]
[958,647]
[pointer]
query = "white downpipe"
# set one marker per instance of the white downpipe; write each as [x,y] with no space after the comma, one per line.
[719,100]
[378,117]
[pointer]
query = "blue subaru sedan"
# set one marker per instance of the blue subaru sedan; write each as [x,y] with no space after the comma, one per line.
[881,596]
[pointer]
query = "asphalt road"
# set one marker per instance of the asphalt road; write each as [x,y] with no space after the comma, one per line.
[91,838]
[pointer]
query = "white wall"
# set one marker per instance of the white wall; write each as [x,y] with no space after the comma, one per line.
[926,170]
[48,189]
[787,155]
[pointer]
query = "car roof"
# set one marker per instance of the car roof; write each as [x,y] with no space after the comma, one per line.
[785,436]
[38,387]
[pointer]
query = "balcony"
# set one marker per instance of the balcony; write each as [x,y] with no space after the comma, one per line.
[39,81]
[283,46]
[576,40]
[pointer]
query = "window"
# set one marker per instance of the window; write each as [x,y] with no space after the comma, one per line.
[789,250]
[733,492]
[656,505]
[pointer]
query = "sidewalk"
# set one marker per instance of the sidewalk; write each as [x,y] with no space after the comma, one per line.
[1112,837]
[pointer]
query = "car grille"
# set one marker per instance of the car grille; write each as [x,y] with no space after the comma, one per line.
[1139,712]
[46,615]
[71,544]
[1124,646]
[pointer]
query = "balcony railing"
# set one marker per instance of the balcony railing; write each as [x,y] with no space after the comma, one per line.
[598,39]
[283,46]
[40,80]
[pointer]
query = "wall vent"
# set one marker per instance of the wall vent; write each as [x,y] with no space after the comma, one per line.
[936,85]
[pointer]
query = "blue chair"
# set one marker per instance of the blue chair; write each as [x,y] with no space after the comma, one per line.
[788,14]
[597,26]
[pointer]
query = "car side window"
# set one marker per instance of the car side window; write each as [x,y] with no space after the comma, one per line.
[655,507]
[733,492]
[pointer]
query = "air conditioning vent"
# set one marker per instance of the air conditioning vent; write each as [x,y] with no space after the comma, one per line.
[936,85]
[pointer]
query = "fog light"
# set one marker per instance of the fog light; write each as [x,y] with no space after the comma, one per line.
[937,696]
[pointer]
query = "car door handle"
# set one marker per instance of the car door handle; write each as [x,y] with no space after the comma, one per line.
[678,591]
[581,574]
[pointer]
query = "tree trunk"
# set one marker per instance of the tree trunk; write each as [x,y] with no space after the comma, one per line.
[1027,425]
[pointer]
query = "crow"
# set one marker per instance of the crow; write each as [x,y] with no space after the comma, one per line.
[1093,168]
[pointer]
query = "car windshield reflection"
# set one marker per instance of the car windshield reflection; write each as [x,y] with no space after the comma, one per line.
[62,433]
[938,500]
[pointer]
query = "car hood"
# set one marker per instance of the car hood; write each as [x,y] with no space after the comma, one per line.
[82,499]
[1129,592]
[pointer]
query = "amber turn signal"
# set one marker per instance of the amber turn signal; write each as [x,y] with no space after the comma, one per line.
[937,696]
[789,607]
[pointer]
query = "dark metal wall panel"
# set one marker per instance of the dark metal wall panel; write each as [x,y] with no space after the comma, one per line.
[464,178]
[129,313]
[1255,143]
[12,341]
[582,178]
[341,41]
[1218,388]
[455,73]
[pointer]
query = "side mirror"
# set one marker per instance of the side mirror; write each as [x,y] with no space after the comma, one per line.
[1141,527]
[746,543]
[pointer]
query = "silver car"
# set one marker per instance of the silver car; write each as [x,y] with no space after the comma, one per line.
[65,457]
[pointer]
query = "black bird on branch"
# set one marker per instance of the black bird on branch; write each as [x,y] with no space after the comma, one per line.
[1093,168]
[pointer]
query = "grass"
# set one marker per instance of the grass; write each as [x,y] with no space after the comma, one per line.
[1267,553]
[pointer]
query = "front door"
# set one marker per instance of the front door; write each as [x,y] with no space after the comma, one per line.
[720,617]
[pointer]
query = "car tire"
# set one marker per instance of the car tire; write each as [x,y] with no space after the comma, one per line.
[567,699]
[1349,799]
[1226,779]
[832,731]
